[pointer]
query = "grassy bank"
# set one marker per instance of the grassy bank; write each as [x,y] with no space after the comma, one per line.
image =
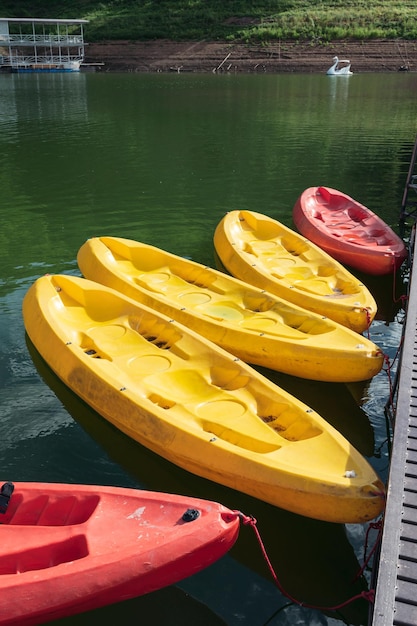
[230,20]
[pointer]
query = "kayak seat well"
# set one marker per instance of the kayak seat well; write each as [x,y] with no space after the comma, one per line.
[304,278]
[290,424]
[222,311]
[356,214]
[44,510]
[272,257]
[161,281]
[290,325]
[44,557]
[362,239]
[154,269]
[166,280]
[188,294]
[210,304]
[362,236]
[250,224]
[295,329]
[340,227]
[116,341]
[237,437]
[317,215]
[311,326]
[285,323]
[335,200]
[261,249]
[325,193]
[200,277]
[182,386]
[242,314]
[277,247]
[219,413]
[249,315]
[213,305]
[223,414]
[131,339]
[295,246]
[291,427]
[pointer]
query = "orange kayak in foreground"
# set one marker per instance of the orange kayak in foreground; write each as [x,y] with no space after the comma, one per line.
[348,231]
[66,549]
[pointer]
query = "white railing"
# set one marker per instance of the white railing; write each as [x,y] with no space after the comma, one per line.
[71,40]
[23,61]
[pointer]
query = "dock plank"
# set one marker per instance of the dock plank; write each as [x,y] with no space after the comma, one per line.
[396,575]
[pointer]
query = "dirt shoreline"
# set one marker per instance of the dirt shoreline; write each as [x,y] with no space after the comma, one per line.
[274,58]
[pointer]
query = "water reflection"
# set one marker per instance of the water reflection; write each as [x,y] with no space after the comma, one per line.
[338,91]
[160,159]
[160,608]
[313,560]
[66,96]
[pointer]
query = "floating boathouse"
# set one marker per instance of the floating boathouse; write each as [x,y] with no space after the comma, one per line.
[41,45]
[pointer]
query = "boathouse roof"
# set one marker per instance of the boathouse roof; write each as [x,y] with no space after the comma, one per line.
[39,20]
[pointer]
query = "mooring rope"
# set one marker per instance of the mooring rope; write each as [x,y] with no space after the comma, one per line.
[368,322]
[366,595]
[378,525]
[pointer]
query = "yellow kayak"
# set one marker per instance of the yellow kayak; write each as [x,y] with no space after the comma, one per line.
[194,404]
[267,254]
[259,328]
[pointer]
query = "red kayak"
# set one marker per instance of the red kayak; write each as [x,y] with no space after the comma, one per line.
[66,549]
[348,231]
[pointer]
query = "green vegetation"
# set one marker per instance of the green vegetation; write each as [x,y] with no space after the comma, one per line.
[232,20]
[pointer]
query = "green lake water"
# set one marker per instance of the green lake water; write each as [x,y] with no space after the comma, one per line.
[161,158]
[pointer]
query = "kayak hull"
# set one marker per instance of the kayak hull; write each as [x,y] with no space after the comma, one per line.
[67,549]
[194,404]
[348,231]
[257,327]
[269,255]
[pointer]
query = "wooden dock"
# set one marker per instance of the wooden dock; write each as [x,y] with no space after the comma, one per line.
[396,568]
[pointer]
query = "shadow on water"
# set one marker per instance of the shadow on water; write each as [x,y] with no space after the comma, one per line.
[160,607]
[388,291]
[313,560]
